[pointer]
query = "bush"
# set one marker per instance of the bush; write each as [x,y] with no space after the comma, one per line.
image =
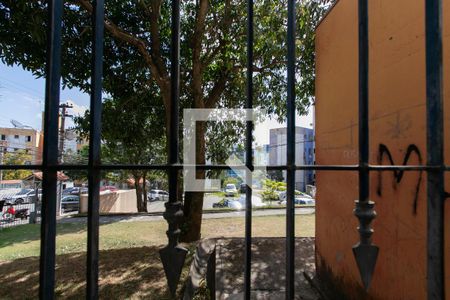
[271,188]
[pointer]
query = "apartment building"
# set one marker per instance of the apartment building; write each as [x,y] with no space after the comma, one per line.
[20,139]
[304,153]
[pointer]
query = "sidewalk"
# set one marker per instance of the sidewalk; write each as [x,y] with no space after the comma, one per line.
[268,272]
[206,215]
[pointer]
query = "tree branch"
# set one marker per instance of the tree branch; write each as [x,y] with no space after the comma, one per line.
[153,14]
[217,90]
[160,76]
[197,68]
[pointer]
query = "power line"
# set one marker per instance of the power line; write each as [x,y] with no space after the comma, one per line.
[22,87]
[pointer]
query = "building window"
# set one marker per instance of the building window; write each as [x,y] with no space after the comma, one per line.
[28,138]
[16,136]
[3,137]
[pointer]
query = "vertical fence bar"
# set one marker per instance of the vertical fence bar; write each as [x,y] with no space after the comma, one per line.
[174,121]
[173,255]
[174,231]
[249,154]
[50,151]
[94,173]
[290,158]
[363,132]
[435,150]
[365,252]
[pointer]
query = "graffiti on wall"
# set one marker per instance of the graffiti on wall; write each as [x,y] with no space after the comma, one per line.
[383,151]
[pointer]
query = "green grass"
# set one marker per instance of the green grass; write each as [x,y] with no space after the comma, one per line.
[129,264]
[24,241]
[131,273]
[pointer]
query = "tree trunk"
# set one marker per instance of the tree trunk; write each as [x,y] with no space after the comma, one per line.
[193,201]
[138,188]
[144,190]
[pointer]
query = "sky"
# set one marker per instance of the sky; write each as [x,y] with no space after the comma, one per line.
[22,99]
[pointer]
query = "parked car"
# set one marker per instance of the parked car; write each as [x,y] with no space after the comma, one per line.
[158,195]
[70,203]
[300,200]
[23,196]
[282,195]
[75,190]
[68,191]
[256,201]
[243,188]
[230,190]
[228,203]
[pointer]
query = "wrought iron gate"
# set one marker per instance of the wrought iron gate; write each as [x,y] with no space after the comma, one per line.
[173,256]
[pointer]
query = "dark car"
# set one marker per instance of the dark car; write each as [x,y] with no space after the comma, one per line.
[70,203]
[75,190]
[228,203]
[243,188]
[70,190]
[221,203]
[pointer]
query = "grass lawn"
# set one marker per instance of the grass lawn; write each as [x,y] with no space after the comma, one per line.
[129,259]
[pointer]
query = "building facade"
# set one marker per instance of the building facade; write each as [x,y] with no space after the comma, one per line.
[304,153]
[397,124]
[20,139]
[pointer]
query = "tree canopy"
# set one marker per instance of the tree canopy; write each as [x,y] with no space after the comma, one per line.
[137,62]
[19,157]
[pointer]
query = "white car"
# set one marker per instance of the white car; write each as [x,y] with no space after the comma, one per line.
[301,200]
[234,204]
[256,201]
[230,190]
[23,196]
[298,194]
[158,195]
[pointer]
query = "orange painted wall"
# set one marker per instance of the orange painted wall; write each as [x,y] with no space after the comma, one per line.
[397,120]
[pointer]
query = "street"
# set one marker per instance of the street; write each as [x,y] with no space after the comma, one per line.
[206,215]
[158,206]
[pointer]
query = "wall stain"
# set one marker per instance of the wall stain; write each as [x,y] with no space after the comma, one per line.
[383,150]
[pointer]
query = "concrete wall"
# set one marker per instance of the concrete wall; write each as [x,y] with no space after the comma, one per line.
[397,126]
[123,201]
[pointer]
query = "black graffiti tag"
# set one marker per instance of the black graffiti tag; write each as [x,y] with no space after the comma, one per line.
[383,150]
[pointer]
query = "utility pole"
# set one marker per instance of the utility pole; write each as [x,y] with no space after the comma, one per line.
[62,134]
[1,163]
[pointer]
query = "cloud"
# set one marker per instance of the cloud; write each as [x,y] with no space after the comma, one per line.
[77,110]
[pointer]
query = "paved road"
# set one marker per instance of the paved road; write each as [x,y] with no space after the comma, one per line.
[215,215]
[158,206]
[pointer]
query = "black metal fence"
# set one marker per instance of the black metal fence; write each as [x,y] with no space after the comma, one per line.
[173,256]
